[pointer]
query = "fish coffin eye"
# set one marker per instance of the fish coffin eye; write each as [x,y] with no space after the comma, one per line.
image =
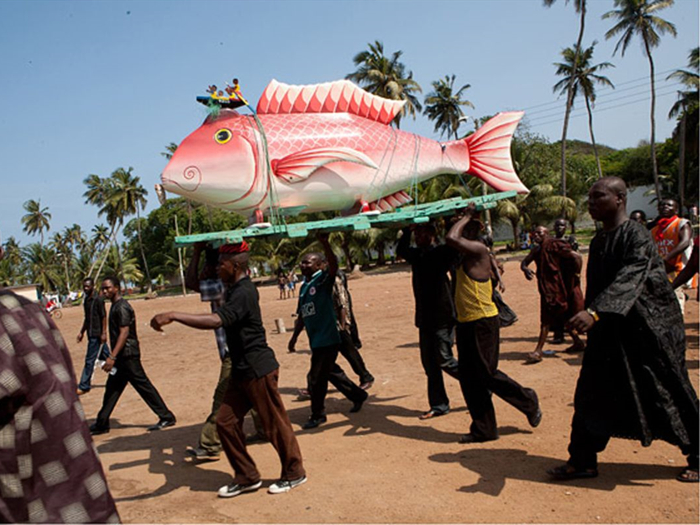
[223,136]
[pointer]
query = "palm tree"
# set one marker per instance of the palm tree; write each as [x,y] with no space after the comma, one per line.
[444,106]
[686,104]
[387,78]
[638,17]
[75,236]
[129,197]
[541,206]
[100,235]
[580,77]
[169,151]
[98,192]
[509,210]
[37,219]
[580,7]
[11,271]
[61,245]
[40,266]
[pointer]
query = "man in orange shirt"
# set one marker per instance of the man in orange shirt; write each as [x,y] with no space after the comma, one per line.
[672,236]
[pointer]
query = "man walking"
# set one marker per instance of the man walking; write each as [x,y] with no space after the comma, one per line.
[634,381]
[435,310]
[211,290]
[95,325]
[254,378]
[478,337]
[125,359]
[559,285]
[316,314]
[350,343]
[672,236]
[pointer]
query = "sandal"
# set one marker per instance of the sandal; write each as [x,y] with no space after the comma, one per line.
[533,358]
[688,475]
[433,413]
[566,472]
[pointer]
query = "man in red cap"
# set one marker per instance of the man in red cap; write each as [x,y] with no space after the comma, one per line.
[254,377]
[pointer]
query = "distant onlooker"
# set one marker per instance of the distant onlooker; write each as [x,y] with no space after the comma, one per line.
[559,285]
[95,325]
[560,233]
[639,216]
[672,236]
[292,281]
[282,284]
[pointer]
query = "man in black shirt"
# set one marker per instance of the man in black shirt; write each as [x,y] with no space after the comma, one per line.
[254,378]
[95,324]
[435,310]
[125,360]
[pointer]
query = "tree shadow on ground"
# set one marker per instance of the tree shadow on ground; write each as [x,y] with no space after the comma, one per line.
[496,466]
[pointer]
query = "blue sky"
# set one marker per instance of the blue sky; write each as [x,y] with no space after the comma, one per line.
[88,87]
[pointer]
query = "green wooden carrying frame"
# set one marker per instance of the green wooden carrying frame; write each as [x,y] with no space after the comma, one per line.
[408,214]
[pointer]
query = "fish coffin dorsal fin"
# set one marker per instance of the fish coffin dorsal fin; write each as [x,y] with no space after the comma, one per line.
[341,96]
[299,166]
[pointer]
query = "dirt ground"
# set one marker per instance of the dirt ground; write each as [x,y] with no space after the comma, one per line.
[381,465]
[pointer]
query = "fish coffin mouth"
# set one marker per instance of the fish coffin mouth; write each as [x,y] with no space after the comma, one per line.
[191,179]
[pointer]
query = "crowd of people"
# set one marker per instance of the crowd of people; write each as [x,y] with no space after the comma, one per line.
[633,380]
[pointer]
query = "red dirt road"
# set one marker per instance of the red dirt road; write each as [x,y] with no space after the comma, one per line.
[381,465]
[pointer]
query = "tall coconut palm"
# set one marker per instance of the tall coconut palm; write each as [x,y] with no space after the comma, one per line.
[580,7]
[387,78]
[75,236]
[580,77]
[444,106]
[62,246]
[40,266]
[690,78]
[100,235]
[686,104]
[129,197]
[11,271]
[169,151]
[37,219]
[97,194]
[638,17]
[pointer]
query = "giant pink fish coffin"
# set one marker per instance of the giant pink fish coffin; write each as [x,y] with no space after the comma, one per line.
[327,147]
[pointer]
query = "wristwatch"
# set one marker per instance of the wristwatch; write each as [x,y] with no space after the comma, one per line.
[593,314]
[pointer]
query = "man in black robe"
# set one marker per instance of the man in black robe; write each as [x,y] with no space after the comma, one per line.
[634,381]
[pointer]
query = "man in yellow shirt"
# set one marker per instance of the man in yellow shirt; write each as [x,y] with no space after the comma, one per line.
[478,337]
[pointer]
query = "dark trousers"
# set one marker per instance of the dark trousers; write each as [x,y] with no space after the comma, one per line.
[93,350]
[478,348]
[130,370]
[261,394]
[208,436]
[325,369]
[350,352]
[436,357]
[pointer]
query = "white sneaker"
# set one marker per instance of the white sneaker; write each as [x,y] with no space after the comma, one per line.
[234,489]
[284,485]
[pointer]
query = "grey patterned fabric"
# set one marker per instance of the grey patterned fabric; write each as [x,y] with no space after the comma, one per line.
[49,468]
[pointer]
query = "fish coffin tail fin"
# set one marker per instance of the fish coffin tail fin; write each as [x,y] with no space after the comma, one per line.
[489,152]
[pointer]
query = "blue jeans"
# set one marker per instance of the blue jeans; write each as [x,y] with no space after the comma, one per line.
[93,350]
